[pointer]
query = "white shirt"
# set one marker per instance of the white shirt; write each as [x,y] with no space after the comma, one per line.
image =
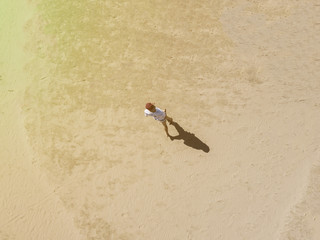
[159,114]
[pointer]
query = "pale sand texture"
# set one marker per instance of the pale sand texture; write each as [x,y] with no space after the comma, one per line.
[30,209]
[80,161]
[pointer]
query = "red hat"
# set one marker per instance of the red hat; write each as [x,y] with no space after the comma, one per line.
[149,106]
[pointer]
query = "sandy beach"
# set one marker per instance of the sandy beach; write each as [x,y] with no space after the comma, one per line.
[79,160]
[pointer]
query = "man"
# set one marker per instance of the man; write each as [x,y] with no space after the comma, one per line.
[159,115]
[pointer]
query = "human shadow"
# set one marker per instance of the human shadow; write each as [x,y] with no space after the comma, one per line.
[189,139]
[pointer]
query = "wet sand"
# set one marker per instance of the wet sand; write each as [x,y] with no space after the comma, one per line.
[241,81]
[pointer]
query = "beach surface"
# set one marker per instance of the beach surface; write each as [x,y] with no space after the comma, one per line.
[79,160]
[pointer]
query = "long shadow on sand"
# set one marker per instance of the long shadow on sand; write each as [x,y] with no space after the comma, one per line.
[189,139]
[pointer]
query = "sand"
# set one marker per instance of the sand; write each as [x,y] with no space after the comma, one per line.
[80,161]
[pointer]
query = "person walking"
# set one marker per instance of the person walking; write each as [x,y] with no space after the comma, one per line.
[159,115]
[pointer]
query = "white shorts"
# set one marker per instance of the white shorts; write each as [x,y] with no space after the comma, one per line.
[162,120]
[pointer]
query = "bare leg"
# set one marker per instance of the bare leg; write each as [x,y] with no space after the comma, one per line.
[166,128]
[169,119]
